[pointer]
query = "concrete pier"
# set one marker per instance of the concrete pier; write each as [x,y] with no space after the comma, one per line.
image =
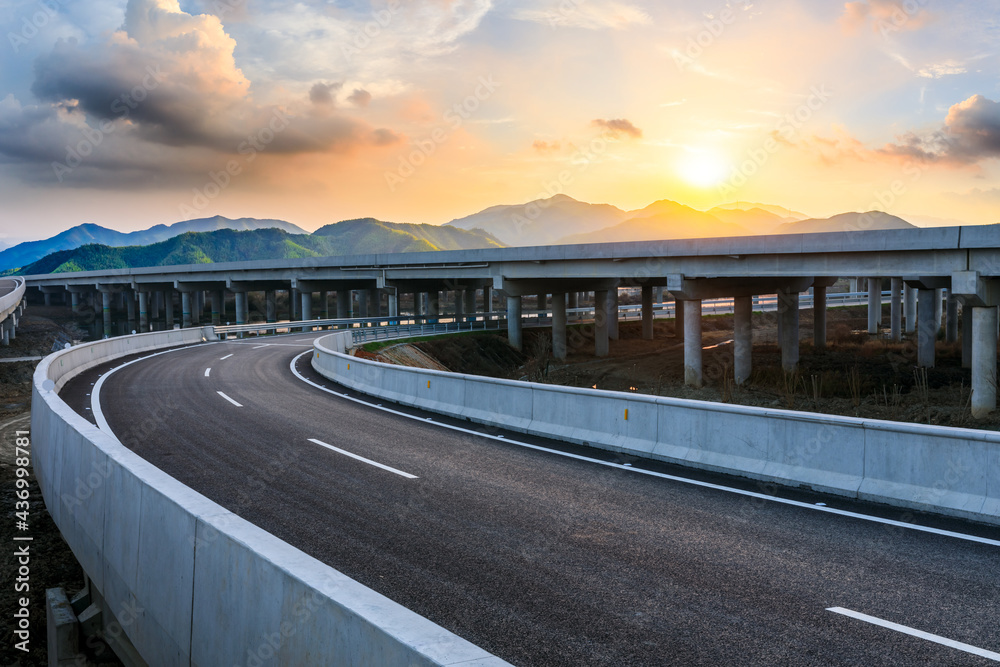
[601,338]
[647,312]
[306,298]
[938,308]
[951,320]
[343,304]
[241,307]
[874,304]
[742,338]
[819,317]
[926,328]
[966,336]
[984,361]
[168,308]
[217,301]
[788,316]
[271,306]
[143,312]
[186,309]
[679,319]
[559,326]
[514,333]
[692,343]
[613,314]
[896,311]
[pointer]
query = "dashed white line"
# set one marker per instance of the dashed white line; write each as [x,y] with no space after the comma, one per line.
[260,346]
[208,372]
[225,357]
[652,473]
[229,399]
[937,639]
[363,459]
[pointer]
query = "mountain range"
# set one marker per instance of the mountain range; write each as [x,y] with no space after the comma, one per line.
[557,220]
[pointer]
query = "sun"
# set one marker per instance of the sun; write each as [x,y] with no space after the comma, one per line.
[702,168]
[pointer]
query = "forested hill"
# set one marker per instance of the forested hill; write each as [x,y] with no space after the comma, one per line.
[344,238]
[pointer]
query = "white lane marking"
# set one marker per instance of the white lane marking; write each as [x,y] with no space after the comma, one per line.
[363,459]
[225,357]
[95,398]
[229,399]
[937,639]
[208,372]
[260,346]
[651,473]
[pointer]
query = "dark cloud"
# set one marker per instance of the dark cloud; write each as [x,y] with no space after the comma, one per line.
[322,93]
[618,127]
[360,97]
[971,133]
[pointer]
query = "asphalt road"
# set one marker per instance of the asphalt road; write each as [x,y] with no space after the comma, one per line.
[545,559]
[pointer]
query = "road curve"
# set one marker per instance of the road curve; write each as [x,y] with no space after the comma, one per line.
[538,558]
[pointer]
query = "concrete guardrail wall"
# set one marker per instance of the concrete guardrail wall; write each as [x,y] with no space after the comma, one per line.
[187,581]
[10,301]
[951,471]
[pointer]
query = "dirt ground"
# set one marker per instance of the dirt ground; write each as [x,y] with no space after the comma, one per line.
[856,375]
[51,563]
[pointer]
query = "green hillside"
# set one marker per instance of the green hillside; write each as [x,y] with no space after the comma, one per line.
[351,237]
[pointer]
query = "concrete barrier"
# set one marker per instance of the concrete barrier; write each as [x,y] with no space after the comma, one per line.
[951,471]
[10,301]
[190,583]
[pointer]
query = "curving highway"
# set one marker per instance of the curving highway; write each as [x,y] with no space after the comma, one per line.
[546,557]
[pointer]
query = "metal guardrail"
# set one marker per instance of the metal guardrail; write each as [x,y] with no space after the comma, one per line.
[368,329]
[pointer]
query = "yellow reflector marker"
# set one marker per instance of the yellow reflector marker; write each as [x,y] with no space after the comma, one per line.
[626,414]
[428,384]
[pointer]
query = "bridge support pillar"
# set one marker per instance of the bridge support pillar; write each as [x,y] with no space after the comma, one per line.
[788,316]
[74,300]
[514,333]
[217,299]
[343,304]
[926,328]
[374,303]
[910,308]
[270,306]
[601,344]
[306,298]
[487,299]
[966,336]
[951,320]
[819,316]
[657,295]
[542,301]
[241,307]
[743,338]
[559,325]
[5,332]
[186,309]
[294,303]
[692,343]
[143,312]
[573,301]
[197,306]
[896,311]
[47,298]
[129,296]
[155,301]
[938,309]
[470,302]
[168,308]
[874,304]
[984,361]
[679,319]
[459,305]
[434,307]
[647,312]
[394,304]
[613,313]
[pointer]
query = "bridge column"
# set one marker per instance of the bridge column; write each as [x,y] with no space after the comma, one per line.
[168,308]
[129,297]
[185,310]
[613,313]
[788,316]
[394,303]
[5,332]
[938,309]
[74,300]
[542,301]
[434,307]
[155,301]
[743,338]
[343,304]
[270,306]
[692,343]
[601,336]
[514,333]
[197,306]
[874,304]
[216,298]
[294,304]
[984,361]
[573,301]
[679,318]
[241,307]
[647,312]
[143,312]
[459,305]
[896,311]
[910,308]
[306,297]
[966,336]
[559,325]
[658,295]
[487,299]
[819,316]
[951,320]
[470,302]
[374,303]
[926,328]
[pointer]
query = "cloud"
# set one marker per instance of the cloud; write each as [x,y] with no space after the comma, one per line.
[166,79]
[618,127]
[360,97]
[938,70]
[587,15]
[971,134]
[885,16]
[545,146]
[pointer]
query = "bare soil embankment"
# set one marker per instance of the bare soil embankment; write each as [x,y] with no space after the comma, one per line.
[857,374]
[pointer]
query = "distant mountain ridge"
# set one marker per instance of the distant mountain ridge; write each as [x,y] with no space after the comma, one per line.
[23,254]
[226,245]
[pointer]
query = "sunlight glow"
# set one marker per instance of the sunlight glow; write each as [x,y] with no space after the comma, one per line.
[702,169]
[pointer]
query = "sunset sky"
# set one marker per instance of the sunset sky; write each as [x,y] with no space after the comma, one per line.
[129,114]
